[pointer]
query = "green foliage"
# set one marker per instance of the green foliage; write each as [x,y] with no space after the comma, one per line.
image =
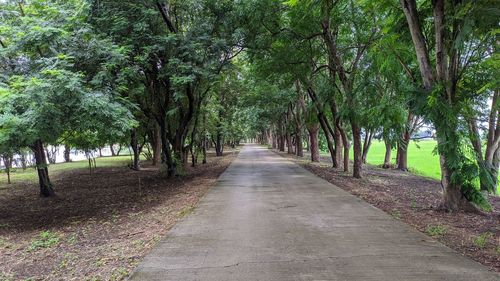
[482,239]
[463,171]
[53,62]
[435,230]
[45,239]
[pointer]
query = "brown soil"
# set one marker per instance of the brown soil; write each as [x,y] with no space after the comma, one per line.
[415,200]
[98,227]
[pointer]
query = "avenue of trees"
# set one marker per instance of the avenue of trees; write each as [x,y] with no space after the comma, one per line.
[357,70]
[171,78]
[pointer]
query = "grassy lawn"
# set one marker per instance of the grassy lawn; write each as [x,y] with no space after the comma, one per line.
[30,175]
[421,159]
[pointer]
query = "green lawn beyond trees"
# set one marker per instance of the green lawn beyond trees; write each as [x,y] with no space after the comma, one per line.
[421,158]
[30,175]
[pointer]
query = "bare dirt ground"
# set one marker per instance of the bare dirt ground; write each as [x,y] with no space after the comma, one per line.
[99,226]
[415,200]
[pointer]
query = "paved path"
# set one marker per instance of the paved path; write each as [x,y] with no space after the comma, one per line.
[269,219]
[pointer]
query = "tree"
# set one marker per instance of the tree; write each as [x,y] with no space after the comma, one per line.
[48,91]
[460,29]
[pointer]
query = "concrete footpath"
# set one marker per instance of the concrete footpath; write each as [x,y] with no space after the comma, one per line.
[269,219]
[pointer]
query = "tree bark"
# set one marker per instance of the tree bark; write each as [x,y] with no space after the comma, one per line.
[136,151]
[357,163]
[402,156]
[165,149]
[219,145]
[299,147]
[405,142]
[156,145]
[403,152]
[492,142]
[313,142]
[347,146]
[46,188]
[411,14]
[7,160]
[289,143]
[366,144]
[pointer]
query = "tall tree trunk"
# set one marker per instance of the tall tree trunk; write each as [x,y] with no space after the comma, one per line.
[403,151]
[496,166]
[308,145]
[289,143]
[281,132]
[165,149]
[492,142]
[100,152]
[337,137]
[313,142]
[67,153]
[204,160]
[356,137]
[135,148]
[46,188]
[7,160]
[447,134]
[347,146]
[325,125]
[219,144]
[387,157]
[204,139]
[275,141]
[366,144]
[156,145]
[299,149]
[328,137]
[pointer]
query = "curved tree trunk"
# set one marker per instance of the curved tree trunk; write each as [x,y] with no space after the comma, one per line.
[328,137]
[366,144]
[112,149]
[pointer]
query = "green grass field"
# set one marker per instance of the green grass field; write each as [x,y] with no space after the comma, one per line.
[421,159]
[30,175]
